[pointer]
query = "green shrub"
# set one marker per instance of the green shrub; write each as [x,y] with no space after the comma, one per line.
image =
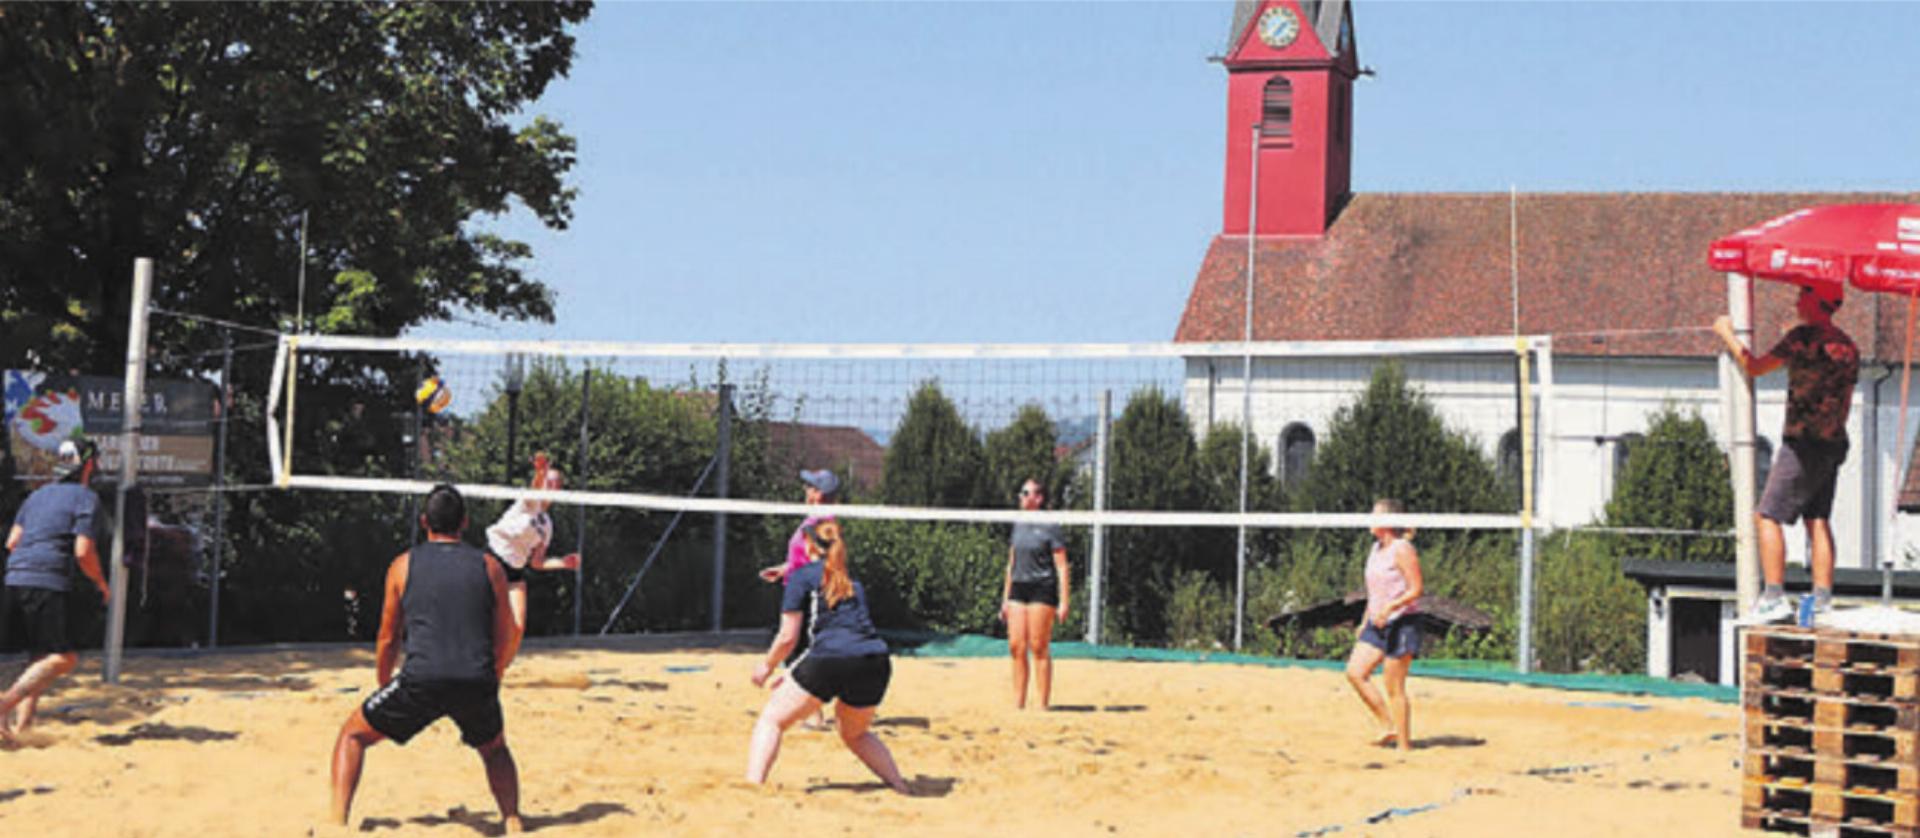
[1199,612]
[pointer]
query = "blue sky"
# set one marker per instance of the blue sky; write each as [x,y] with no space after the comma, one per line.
[1051,172]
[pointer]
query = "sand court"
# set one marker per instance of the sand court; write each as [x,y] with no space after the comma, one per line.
[649,735]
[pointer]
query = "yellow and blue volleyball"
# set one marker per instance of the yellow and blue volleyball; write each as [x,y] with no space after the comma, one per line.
[433,395]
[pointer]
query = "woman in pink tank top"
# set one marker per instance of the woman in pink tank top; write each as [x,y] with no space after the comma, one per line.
[1389,635]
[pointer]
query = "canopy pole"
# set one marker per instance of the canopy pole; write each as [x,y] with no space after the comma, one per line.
[1892,541]
[1740,422]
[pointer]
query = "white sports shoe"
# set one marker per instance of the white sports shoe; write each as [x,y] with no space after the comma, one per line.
[1767,610]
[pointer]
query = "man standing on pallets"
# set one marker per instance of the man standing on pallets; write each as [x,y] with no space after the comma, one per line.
[1822,365]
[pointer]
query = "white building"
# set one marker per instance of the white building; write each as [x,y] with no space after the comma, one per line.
[1617,281]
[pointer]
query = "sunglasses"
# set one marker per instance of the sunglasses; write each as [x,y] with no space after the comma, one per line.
[1027,493]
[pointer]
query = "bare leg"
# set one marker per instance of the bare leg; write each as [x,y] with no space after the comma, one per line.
[1359,666]
[517,601]
[24,713]
[1017,618]
[37,677]
[1395,675]
[854,731]
[503,777]
[1040,644]
[349,753]
[1821,536]
[788,704]
[1773,549]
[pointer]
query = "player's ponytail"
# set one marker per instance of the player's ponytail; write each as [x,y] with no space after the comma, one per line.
[824,541]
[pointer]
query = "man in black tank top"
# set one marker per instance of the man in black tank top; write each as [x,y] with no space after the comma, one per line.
[449,603]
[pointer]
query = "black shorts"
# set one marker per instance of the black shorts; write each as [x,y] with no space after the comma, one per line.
[404,707]
[1044,592]
[1802,480]
[856,682]
[514,574]
[38,621]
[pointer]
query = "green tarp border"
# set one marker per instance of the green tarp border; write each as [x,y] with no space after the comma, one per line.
[928,645]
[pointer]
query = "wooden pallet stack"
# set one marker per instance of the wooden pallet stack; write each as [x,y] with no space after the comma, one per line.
[1832,733]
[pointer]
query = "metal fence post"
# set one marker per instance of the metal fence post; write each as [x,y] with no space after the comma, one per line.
[724,453]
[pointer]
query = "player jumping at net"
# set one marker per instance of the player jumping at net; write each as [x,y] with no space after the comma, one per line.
[1389,635]
[519,539]
[52,534]
[1822,365]
[447,603]
[846,663]
[1034,597]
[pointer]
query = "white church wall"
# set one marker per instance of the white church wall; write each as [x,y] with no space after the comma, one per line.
[1597,402]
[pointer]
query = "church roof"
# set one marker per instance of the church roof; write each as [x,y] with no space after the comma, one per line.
[1605,273]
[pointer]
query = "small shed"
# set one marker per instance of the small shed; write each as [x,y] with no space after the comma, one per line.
[1441,617]
[1691,608]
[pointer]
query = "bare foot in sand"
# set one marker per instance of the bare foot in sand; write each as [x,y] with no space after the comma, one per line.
[1386,739]
[512,825]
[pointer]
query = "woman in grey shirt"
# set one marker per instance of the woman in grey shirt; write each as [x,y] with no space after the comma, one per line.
[1035,596]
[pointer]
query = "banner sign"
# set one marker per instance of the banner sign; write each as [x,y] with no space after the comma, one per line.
[177,425]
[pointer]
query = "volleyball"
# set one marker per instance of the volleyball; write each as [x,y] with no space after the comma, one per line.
[433,395]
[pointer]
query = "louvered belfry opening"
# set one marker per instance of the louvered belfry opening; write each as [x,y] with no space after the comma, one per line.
[1276,110]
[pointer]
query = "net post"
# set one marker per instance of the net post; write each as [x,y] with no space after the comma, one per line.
[132,395]
[1524,645]
[724,453]
[580,475]
[1097,562]
[218,552]
[1740,422]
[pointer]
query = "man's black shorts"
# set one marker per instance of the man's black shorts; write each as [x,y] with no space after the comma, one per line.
[857,682]
[1802,480]
[37,620]
[405,707]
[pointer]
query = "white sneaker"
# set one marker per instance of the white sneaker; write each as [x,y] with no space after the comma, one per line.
[1768,610]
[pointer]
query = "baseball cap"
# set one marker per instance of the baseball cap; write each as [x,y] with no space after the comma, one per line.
[1831,294]
[72,455]
[822,480]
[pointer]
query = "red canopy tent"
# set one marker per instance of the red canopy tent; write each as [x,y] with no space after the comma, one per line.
[1873,247]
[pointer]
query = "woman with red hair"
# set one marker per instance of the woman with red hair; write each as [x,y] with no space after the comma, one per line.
[846,662]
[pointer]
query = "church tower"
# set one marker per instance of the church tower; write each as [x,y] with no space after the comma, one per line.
[1290,71]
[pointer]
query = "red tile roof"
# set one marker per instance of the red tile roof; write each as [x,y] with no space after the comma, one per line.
[1399,265]
[848,451]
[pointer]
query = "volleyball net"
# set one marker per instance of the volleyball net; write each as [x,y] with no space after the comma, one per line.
[691,452]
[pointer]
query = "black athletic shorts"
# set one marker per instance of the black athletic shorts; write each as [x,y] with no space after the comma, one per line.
[1045,592]
[514,574]
[1802,480]
[856,682]
[38,621]
[405,707]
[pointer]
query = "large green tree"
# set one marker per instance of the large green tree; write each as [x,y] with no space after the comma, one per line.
[934,458]
[198,134]
[1154,466]
[1676,478]
[1023,450]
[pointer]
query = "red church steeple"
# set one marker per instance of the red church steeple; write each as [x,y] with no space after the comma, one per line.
[1290,70]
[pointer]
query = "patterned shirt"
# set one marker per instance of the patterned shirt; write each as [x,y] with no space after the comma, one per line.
[1822,365]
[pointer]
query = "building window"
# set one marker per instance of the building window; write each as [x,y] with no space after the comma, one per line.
[1510,456]
[1762,463]
[1296,453]
[1276,110]
[1623,448]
